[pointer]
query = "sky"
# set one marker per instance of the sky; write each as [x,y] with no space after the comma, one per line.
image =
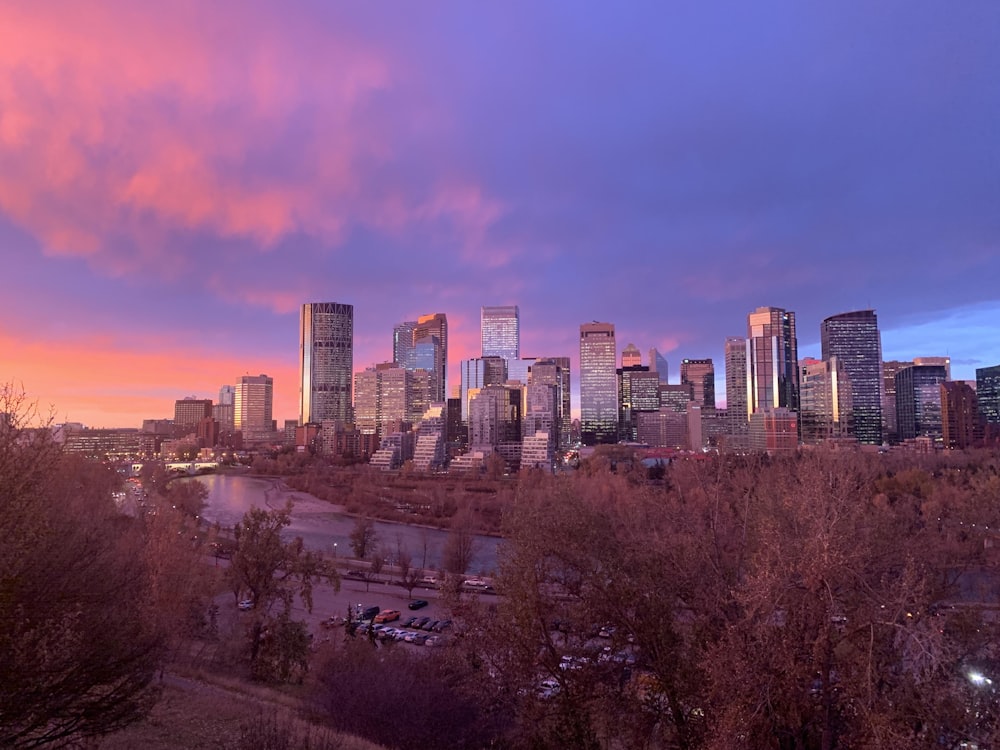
[176,179]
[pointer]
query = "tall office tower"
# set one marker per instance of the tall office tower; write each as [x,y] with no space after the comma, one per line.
[326,362]
[988,394]
[658,364]
[384,399]
[700,374]
[554,371]
[223,410]
[500,329]
[598,384]
[495,420]
[826,406]
[890,424]
[961,427]
[944,362]
[252,407]
[638,391]
[431,335]
[402,344]
[853,338]
[773,361]
[479,373]
[918,401]
[631,356]
[189,412]
[737,388]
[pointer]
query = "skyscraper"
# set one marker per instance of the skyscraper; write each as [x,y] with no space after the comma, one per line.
[500,329]
[555,371]
[988,394]
[890,424]
[631,356]
[658,364]
[773,362]
[430,339]
[737,388]
[252,407]
[326,362]
[961,426]
[826,409]
[700,375]
[402,344]
[853,338]
[598,384]
[918,401]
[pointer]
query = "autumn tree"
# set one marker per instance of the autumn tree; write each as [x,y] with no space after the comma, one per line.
[459,547]
[79,644]
[272,571]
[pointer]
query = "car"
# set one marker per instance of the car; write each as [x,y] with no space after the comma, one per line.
[368,613]
[430,625]
[442,626]
[416,638]
[409,621]
[419,624]
[429,581]
[417,604]
[387,615]
[245,605]
[548,688]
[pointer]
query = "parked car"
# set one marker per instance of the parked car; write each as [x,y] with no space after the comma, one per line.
[417,604]
[442,626]
[548,688]
[369,612]
[417,638]
[409,621]
[387,615]
[245,605]
[419,624]
[430,625]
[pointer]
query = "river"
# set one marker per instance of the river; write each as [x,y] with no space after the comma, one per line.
[325,527]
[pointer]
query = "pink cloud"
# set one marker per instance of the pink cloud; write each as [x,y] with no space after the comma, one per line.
[133,121]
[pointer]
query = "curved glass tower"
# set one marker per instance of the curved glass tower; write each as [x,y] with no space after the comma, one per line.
[326,361]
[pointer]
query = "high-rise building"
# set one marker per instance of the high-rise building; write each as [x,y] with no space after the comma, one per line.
[385,399]
[402,344]
[638,391]
[773,362]
[326,362]
[700,375]
[631,356]
[944,362]
[960,423]
[223,410]
[826,407]
[431,335]
[918,401]
[658,364]
[737,388]
[500,329]
[890,369]
[478,373]
[598,384]
[554,371]
[189,412]
[252,407]
[988,395]
[853,338]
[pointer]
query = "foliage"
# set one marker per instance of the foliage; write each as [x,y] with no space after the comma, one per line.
[363,537]
[80,644]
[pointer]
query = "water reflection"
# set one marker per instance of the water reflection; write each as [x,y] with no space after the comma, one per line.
[325,527]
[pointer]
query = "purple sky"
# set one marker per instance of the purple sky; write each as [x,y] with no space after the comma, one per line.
[177,178]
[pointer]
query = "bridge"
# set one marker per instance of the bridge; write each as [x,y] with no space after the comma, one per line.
[182,467]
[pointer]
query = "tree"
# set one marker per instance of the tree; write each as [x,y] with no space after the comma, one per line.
[187,495]
[363,537]
[79,643]
[459,548]
[272,571]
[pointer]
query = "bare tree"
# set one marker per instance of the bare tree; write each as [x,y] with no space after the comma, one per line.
[80,649]
[459,548]
[363,537]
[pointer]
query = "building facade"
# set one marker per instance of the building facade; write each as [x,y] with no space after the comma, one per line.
[700,375]
[854,339]
[500,331]
[326,362]
[961,426]
[826,406]
[598,384]
[430,340]
[918,402]
[737,388]
[988,394]
[252,407]
[773,362]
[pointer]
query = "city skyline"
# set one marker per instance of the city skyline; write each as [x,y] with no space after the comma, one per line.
[172,194]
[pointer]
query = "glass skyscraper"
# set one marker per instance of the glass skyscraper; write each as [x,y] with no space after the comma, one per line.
[853,338]
[700,375]
[500,329]
[773,361]
[326,362]
[598,384]
[430,342]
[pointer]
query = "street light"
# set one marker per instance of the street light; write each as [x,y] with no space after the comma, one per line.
[334,549]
